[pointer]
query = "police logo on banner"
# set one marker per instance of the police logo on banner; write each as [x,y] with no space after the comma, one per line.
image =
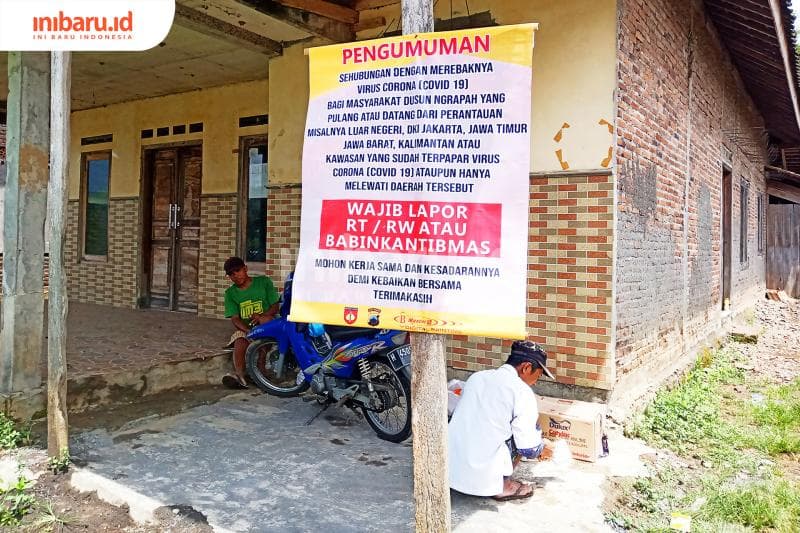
[350,315]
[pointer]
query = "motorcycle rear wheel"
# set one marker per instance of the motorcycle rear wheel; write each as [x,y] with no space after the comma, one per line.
[261,355]
[393,424]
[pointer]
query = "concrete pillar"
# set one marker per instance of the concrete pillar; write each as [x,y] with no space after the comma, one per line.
[27,152]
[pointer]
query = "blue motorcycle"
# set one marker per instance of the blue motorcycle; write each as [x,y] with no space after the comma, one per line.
[361,368]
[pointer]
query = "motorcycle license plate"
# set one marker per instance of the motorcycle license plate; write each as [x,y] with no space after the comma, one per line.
[400,357]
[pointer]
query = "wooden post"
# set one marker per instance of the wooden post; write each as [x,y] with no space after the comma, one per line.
[428,379]
[429,427]
[57,429]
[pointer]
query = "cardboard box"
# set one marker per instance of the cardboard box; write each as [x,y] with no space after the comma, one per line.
[578,423]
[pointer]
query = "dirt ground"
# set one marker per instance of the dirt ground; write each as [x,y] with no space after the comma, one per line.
[776,356]
[59,508]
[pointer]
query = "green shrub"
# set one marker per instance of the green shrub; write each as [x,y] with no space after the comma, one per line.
[59,464]
[12,436]
[15,503]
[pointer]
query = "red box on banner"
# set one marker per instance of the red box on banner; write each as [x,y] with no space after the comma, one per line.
[411,227]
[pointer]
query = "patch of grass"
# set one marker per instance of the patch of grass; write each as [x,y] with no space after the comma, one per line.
[775,421]
[12,436]
[750,317]
[687,418]
[764,504]
[48,520]
[15,502]
[647,502]
[705,359]
[774,443]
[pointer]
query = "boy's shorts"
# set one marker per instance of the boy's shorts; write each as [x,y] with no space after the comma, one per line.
[238,334]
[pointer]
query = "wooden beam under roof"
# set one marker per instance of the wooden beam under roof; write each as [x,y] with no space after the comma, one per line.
[329,29]
[369,24]
[325,9]
[208,25]
[363,5]
[784,190]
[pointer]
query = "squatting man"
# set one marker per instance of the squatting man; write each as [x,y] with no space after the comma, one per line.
[495,424]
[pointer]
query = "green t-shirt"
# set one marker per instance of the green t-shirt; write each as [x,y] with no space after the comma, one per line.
[256,298]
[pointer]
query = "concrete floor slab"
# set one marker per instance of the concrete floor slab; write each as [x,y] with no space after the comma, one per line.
[103,340]
[250,463]
[116,355]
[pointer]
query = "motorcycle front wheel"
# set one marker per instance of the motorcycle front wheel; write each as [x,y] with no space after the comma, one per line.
[263,360]
[393,421]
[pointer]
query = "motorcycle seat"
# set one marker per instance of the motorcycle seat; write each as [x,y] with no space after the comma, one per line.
[344,333]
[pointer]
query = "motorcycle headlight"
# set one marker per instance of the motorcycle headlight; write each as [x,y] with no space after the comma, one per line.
[400,338]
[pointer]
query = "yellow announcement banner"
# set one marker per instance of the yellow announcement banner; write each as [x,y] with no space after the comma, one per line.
[415,183]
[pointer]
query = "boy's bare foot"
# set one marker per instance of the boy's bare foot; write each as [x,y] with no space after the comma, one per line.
[233,381]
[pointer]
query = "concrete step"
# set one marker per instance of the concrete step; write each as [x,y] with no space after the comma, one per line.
[124,386]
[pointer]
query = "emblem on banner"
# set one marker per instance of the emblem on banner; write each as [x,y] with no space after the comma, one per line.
[374,316]
[350,314]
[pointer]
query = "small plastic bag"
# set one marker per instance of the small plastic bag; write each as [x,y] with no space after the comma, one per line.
[454,388]
[562,457]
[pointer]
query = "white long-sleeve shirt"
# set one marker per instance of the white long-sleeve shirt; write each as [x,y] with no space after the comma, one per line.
[494,406]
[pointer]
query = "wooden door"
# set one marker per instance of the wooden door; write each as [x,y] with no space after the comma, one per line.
[175,228]
[727,195]
[188,228]
[783,248]
[162,238]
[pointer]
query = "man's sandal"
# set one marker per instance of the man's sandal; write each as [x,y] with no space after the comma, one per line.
[523,491]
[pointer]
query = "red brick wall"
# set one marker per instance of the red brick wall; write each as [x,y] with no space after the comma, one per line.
[679,105]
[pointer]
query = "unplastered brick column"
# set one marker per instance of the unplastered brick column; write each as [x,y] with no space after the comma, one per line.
[217,243]
[111,281]
[569,288]
[283,231]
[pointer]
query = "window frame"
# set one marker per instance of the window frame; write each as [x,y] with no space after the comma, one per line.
[245,143]
[744,221]
[86,157]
